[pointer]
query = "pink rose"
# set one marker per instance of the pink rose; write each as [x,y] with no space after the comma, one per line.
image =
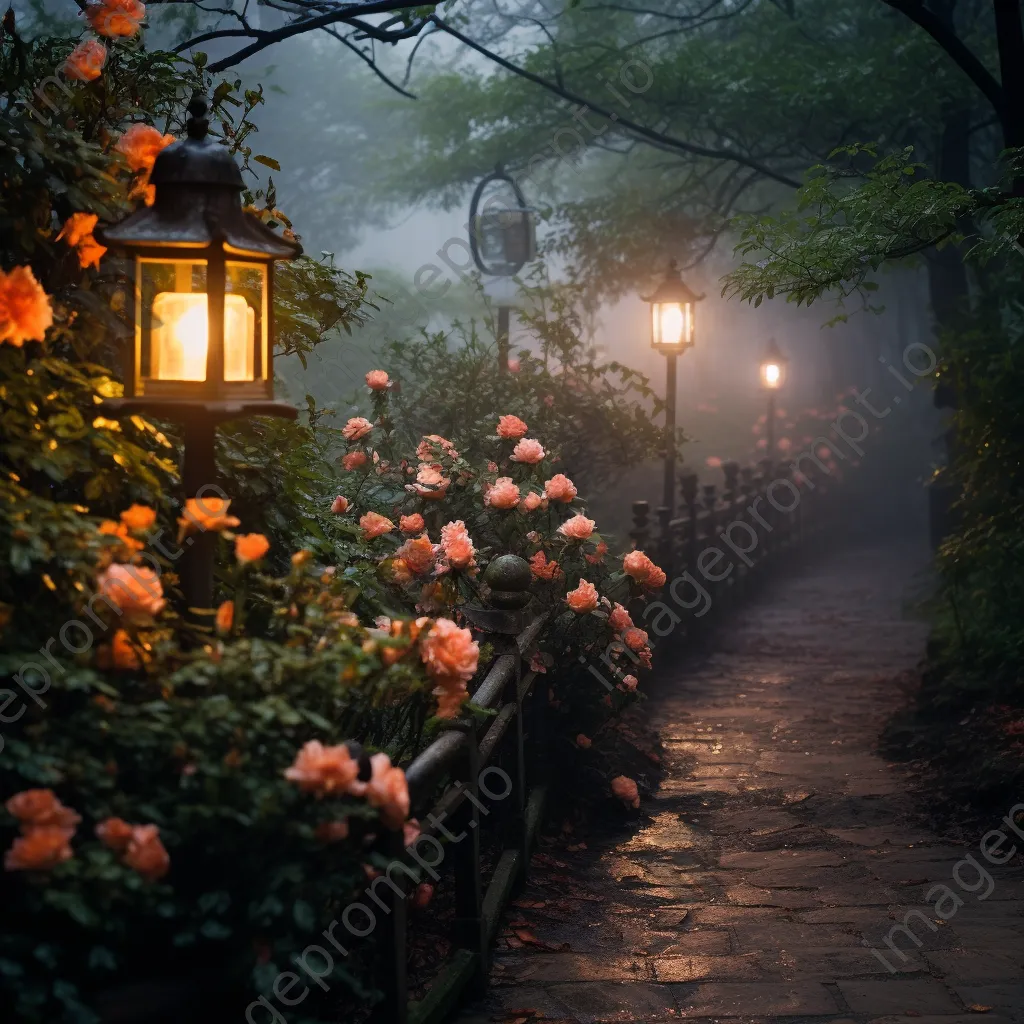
[339,505]
[528,451]
[377,380]
[502,494]
[560,488]
[619,619]
[577,528]
[357,427]
[354,460]
[531,502]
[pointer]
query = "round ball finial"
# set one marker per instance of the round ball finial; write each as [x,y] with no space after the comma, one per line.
[198,124]
[509,578]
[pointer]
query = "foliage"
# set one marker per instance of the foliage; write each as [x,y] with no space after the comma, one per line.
[127,708]
[601,412]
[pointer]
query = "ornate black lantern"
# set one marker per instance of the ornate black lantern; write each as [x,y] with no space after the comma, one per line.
[204,288]
[502,237]
[773,368]
[672,313]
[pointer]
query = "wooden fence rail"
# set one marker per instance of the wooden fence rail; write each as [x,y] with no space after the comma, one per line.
[764,511]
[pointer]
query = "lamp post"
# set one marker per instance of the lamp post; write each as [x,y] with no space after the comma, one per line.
[204,290]
[672,332]
[502,242]
[773,376]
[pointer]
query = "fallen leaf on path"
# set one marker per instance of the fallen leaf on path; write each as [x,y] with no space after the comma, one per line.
[978,1008]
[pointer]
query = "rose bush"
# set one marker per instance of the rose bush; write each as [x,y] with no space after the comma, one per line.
[174,795]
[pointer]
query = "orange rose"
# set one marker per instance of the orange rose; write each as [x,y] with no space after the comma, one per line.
[577,528]
[377,380]
[138,518]
[584,742]
[114,833]
[598,556]
[25,313]
[109,528]
[38,807]
[560,488]
[625,789]
[630,682]
[332,831]
[619,619]
[375,525]
[146,854]
[531,502]
[431,483]
[140,145]
[457,547]
[449,652]
[207,513]
[116,18]
[120,653]
[434,445]
[583,599]
[635,639]
[41,848]
[643,570]
[412,524]
[77,231]
[339,505]
[418,554]
[225,616]
[353,460]
[451,694]
[84,64]
[319,769]
[251,547]
[542,568]
[511,428]
[502,494]
[386,790]
[133,590]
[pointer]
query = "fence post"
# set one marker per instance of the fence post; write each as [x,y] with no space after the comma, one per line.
[641,532]
[688,487]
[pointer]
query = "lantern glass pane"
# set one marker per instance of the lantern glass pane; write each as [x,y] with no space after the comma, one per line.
[246,339]
[772,374]
[672,325]
[171,328]
[491,237]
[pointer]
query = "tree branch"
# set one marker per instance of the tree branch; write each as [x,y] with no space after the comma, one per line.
[658,138]
[957,50]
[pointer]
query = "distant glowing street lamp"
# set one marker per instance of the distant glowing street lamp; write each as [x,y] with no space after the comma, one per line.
[672,332]
[204,290]
[773,377]
[502,239]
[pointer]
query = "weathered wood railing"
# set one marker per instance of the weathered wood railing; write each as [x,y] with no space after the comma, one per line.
[445,779]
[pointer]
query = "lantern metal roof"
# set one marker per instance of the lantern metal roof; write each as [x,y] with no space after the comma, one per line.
[197,205]
[673,288]
[774,355]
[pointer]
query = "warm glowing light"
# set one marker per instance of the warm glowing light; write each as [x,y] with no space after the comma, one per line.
[673,324]
[772,375]
[181,337]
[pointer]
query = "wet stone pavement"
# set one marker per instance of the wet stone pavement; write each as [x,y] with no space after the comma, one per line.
[780,849]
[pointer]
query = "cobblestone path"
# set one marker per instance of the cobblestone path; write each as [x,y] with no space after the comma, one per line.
[781,848]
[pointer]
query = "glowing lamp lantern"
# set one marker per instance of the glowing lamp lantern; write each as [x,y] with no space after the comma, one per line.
[773,368]
[202,351]
[672,313]
[204,277]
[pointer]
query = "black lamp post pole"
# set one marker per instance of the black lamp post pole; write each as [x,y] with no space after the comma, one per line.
[503,338]
[199,477]
[668,498]
[770,453]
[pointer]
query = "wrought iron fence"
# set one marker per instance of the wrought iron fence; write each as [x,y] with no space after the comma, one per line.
[445,779]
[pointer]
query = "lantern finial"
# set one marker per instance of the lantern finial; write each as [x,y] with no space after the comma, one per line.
[198,124]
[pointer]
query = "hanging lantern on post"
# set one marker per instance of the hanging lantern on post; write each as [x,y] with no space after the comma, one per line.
[672,313]
[773,368]
[203,344]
